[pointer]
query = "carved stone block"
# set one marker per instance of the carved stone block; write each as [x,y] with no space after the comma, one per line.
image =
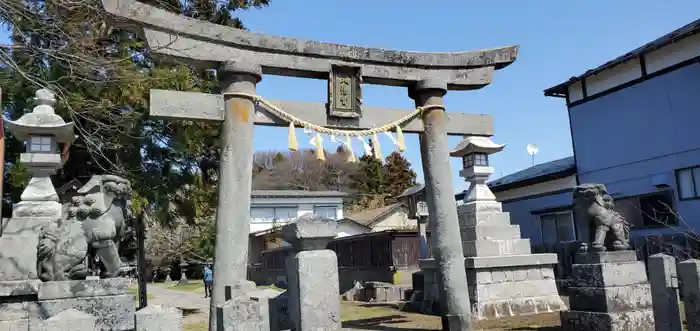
[345,91]
[83,288]
[157,318]
[18,257]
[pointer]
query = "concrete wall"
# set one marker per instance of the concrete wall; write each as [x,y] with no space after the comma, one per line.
[521,202]
[521,213]
[638,136]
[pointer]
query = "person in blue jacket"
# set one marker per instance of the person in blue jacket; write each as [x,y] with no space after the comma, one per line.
[208,281]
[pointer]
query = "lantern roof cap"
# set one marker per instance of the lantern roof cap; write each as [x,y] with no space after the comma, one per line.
[476,144]
[43,120]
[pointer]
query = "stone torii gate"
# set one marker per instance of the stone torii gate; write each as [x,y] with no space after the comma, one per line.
[242,58]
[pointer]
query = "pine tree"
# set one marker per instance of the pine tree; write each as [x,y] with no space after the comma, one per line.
[371,176]
[399,175]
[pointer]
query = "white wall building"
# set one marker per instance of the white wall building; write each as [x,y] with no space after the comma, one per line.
[273,208]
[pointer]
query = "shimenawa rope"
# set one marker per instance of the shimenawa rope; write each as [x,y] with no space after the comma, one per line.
[317,141]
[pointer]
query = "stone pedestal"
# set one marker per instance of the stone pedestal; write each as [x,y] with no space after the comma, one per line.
[312,274]
[20,238]
[504,277]
[157,318]
[664,290]
[32,302]
[610,292]
[689,275]
[70,319]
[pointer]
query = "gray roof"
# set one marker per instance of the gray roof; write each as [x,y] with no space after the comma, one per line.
[367,218]
[296,193]
[675,36]
[566,164]
[412,190]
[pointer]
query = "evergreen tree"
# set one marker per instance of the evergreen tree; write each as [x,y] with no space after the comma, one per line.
[369,182]
[399,175]
[102,77]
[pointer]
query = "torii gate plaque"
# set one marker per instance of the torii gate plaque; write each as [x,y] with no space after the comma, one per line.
[242,57]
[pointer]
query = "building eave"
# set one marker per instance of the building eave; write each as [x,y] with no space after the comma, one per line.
[535,180]
[561,90]
[296,194]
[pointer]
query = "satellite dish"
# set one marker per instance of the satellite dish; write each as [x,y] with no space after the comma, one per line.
[532,149]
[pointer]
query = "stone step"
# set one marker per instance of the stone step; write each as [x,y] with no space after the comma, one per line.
[489,219]
[480,207]
[488,262]
[485,262]
[496,247]
[611,299]
[492,232]
[518,307]
[509,274]
[512,290]
[608,274]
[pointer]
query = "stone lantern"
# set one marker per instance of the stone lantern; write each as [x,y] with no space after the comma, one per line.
[475,152]
[42,130]
[414,199]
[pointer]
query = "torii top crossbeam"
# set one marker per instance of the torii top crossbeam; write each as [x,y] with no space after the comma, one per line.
[203,43]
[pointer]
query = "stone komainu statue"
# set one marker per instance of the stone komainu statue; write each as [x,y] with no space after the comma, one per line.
[94,224]
[593,205]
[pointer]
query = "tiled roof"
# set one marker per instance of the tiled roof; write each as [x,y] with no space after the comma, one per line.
[565,166]
[368,217]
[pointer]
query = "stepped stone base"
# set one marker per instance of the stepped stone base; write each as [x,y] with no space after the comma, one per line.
[502,286]
[610,292]
[504,277]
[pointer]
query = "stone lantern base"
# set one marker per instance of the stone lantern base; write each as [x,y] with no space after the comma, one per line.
[504,277]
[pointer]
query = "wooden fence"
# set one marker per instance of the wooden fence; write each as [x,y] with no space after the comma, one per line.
[376,256]
[678,245]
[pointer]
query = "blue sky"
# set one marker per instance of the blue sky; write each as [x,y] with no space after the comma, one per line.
[558,39]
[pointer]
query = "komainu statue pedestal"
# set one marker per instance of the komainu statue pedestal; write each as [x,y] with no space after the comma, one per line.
[29,304]
[610,292]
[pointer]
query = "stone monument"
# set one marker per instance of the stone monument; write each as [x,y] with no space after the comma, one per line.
[504,277]
[43,254]
[312,274]
[241,58]
[610,288]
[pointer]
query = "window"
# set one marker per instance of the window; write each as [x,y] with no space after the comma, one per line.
[285,214]
[648,210]
[261,214]
[475,159]
[481,159]
[272,214]
[40,144]
[326,211]
[688,181]
[557,227]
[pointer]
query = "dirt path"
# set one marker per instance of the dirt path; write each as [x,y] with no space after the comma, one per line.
[355,315]
[194,306]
